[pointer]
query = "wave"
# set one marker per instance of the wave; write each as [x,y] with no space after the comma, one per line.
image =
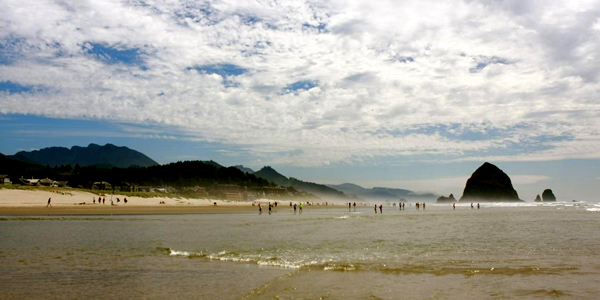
[329,265]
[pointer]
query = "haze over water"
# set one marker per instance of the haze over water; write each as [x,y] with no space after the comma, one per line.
[500,251]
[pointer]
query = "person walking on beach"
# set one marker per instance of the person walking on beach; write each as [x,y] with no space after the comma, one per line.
[375,208]
[471,204]
[125,200]
[49,205]
[477,205]
[453,205]
[354,206]
[380,208]
[423,205]
[300,206]
[103,200]
[94,200]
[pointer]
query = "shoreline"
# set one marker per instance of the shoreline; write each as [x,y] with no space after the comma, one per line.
[14,202]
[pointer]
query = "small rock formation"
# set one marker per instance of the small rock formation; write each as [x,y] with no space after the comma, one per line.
[548,196]
[489,184]
[449,199]
[538,199]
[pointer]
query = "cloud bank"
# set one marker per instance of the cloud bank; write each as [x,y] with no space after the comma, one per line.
[317,82]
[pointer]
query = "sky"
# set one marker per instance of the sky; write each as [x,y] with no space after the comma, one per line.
[406,94]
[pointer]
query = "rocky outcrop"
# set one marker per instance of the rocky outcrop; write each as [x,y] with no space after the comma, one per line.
[449,199]
[489,184]
[548,196]
[538,199]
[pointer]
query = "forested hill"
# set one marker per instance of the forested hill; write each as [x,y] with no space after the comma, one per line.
[179,174]
[108,155]
[320,190]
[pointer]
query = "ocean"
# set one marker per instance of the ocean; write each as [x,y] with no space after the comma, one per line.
[501,251]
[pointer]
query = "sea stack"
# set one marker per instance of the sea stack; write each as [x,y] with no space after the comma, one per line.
[538,199]
[548,196]
[449,199]
[489,184]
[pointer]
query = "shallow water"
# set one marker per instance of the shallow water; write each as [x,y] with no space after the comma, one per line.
[528,251]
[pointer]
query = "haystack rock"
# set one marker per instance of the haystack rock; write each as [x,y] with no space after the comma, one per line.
[538,199]
[489,184]
[548,196]
[449,199]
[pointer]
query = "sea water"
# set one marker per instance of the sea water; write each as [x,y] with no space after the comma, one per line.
[500,251]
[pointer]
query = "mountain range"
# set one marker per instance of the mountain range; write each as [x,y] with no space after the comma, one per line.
[108,155]
[122,157]
[320,190]
[381,193]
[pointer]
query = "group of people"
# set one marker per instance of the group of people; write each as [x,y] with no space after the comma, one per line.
[271,206]
[454,205]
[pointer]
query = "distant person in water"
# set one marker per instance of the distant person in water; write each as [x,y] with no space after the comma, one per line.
[270,207]
[49,205]
[471,204]
[300,206]
[381,208]
[423,205]
[477,205]
[375,208]
[354,206]
[453,205]
[295,205]
[259,208]
[275,203]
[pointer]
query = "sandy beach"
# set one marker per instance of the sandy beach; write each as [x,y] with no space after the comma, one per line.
[70,202]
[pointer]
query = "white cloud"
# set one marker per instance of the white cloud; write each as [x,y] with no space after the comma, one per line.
[388,75]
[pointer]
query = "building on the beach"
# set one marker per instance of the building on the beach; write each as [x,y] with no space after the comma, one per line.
[32,181]
[46,182]
[141,189]
[230,188]
[165,189]
[61,183]
[101,185]
[194,189]
[4,180]
[268,191]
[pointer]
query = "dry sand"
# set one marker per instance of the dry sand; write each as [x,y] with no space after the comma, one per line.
[69,202]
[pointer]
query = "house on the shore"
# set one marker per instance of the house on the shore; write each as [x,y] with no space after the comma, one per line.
[4,180]
[101,186]
[42,182]
[30,182]
[194,189]
[46,182]
[61,183]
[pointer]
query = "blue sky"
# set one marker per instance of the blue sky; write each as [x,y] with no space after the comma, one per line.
[413,96]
